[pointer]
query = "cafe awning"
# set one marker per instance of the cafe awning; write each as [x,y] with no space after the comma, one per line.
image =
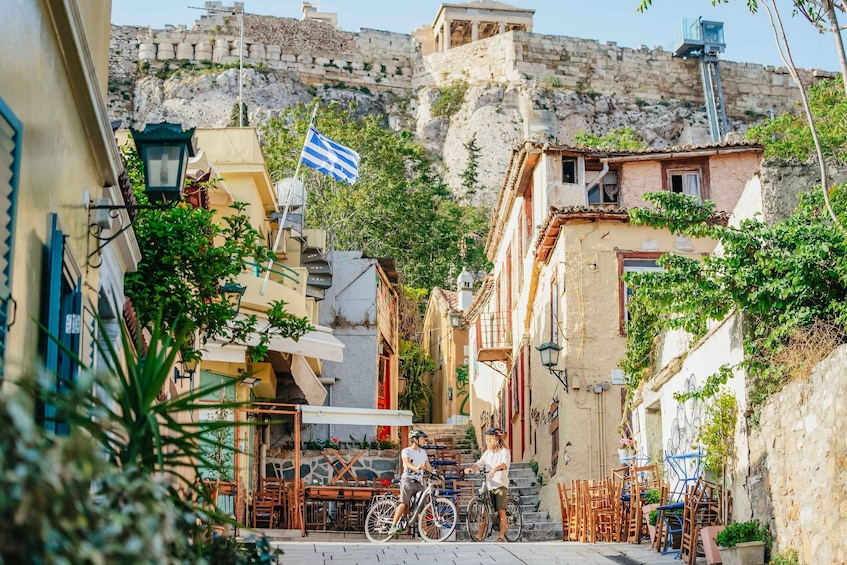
[354,416]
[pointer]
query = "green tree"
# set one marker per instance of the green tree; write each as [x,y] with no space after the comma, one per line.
[187,256]
[399,208]
[619,138]
[233,116]
[415,364]
[470,176]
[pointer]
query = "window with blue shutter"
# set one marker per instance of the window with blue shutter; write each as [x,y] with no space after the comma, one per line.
[11,130]
[63,320]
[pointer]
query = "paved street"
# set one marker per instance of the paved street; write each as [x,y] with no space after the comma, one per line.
[318,552]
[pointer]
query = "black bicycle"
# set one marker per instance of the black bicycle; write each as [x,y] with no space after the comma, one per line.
[436,515]
[482,515]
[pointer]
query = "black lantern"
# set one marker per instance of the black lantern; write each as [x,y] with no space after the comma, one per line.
[233,292]
[188,369]
[164,150]
[550,358]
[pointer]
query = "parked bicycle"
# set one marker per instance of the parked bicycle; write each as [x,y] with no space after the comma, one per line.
[482,516]
[436,515]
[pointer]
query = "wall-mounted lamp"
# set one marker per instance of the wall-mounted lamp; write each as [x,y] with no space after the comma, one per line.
[455,319]
[164,150]
[250,381]
[232,291]
[188,369]
[550,358]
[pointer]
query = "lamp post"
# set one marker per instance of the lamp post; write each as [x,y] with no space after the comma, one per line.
[164,150]
[455,319]
[549,353]
[233,291]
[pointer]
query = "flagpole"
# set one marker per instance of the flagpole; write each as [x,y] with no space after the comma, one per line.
[281,223]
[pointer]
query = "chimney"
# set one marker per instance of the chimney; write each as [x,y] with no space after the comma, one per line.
[464,290]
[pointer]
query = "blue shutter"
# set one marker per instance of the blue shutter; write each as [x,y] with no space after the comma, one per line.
[52,302]
[11,130]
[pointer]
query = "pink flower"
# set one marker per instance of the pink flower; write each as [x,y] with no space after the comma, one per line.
[627,442]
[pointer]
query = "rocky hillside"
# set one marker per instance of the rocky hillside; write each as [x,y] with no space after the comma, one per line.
[499,112]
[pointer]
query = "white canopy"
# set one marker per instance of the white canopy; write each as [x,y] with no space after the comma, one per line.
[354,416]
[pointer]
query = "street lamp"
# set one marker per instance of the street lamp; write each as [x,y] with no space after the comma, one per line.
[188,369]
[164,150]
[550,358]
[233,291]
[455,319]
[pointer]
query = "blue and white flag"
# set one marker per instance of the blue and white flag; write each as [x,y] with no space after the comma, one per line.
[329,157]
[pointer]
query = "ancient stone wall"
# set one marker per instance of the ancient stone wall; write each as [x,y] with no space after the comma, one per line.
[587,66]
[314,468]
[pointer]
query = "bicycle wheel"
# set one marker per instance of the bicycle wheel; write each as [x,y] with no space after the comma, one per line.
[437,520]
[477,520]
[379,519]
[514,520]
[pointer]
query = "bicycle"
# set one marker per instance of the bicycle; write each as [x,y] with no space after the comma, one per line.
[481,512]
[437,516]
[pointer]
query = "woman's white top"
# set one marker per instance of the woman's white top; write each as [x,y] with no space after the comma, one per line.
[491,459]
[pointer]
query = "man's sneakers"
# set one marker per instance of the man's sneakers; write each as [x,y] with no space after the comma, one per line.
[393,529]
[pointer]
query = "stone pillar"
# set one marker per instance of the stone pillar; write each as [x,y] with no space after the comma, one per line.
[221,50]
[502,28]
[203,51]
[273,52]
[257,51]
[185,51]
[445,33]
[474,30]
[146,51]
[166,52]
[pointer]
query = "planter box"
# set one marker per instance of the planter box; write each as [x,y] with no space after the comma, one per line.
[710,548]
[747,553]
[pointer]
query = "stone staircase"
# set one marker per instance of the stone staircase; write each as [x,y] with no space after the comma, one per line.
[461,441]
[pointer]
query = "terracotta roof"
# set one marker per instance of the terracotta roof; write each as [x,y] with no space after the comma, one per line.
[447,299]
[549,233]
[600,152]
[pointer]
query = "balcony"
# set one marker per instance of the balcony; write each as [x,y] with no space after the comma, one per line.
[284,283]
[494,331]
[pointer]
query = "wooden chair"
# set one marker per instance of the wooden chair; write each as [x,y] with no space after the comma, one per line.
[702,508]
[264,510]
[564,504]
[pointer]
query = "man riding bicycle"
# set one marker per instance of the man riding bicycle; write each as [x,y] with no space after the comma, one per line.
[415,460]
[496,459]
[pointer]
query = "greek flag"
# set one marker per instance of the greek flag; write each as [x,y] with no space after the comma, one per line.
[329,157]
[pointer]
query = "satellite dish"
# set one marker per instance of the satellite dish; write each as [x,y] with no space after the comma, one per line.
[290,192]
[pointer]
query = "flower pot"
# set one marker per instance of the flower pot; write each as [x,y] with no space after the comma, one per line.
[710,548]
[623,454]
[746,553]
[652,531]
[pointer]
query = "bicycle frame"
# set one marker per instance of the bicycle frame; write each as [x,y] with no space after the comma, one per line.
[513,512]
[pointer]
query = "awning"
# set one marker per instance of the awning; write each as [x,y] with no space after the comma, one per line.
[319,344]
[308,382]
[354,416]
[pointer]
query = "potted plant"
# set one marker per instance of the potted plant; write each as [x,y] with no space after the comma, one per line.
[710,548]
[742,543]
[652,520]
[626,449]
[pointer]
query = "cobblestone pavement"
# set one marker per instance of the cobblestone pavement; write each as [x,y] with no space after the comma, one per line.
[318,552]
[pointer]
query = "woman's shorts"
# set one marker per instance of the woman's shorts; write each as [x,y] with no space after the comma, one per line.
[408,490]
[500,496]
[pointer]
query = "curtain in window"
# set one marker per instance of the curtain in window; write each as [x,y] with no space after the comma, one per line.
[691,184]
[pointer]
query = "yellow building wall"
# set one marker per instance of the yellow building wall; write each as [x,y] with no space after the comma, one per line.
[57,163]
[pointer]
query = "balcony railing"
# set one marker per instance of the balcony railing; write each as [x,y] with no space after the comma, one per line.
[282,272]
[494,336]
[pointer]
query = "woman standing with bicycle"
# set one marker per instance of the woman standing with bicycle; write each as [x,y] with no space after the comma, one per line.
[415,460]
[497,458]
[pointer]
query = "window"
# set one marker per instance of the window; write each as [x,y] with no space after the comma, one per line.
[687,182]
[569,171]
[640,263]
[63,322]
[10,158]
[606,191]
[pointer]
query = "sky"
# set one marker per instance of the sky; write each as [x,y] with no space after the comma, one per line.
[749,38]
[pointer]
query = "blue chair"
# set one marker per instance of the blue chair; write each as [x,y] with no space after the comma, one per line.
[687,469]
[672,517]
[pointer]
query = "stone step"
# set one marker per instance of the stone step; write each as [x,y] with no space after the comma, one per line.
[520,483]
[530,490]
[533,517]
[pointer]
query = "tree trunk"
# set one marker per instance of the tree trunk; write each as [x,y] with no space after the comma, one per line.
[829,7]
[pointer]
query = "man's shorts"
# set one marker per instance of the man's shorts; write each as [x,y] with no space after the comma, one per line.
[500,496]
[408,490]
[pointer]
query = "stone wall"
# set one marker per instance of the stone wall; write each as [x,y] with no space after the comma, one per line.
[798,454]
[373,464]
[585,65]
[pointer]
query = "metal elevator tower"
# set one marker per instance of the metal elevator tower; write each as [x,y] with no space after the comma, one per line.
[704,40]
